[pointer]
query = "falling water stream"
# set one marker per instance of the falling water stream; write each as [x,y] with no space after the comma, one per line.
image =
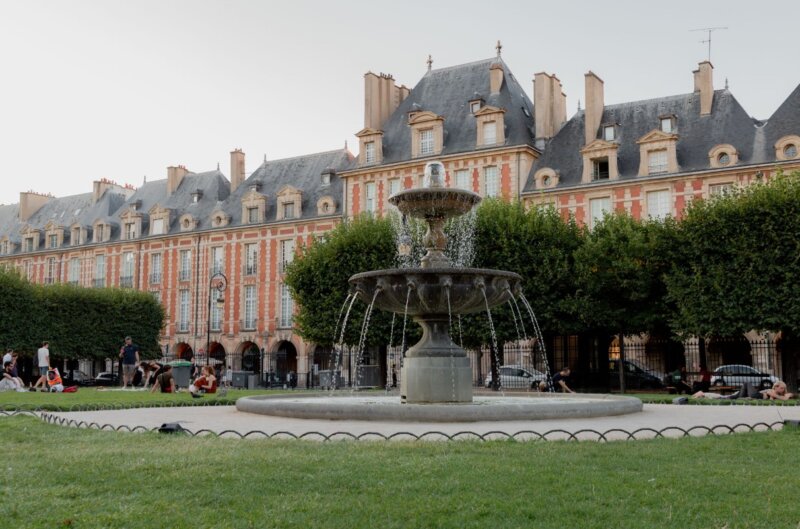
[338,346]
[495,350]
[363,340]
[539,339]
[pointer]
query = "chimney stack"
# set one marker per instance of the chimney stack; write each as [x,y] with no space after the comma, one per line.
[30,203]
[495,78]
[594,105]
[549,105]
[704,84]
[237,169]
[381,99]
[175,175]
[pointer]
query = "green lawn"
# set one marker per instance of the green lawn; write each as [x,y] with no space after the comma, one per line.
[64,477]
[105,398]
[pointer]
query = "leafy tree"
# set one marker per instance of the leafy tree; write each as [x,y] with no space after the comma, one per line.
[318,280]
[739,262]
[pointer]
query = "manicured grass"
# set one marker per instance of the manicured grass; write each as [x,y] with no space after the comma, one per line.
[65,477]
[109,398]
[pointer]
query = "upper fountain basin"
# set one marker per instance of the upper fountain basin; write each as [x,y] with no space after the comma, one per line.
[434,202]
[430,288]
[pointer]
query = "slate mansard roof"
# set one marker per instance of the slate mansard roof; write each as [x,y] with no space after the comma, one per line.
[447,93]
[728,123]
[301,172]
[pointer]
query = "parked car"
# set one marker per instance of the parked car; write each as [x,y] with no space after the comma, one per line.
[106,378]
[636,377]
[517,377]
[78,378]
[738,374]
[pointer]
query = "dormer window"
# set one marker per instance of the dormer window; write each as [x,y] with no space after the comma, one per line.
[667,124]
[252,215]
[723,156]
[609,133]
[724,159]
[489,133]
[657,162]
[474,106]
[288,210]
[157,227]
[130,231]
[426,142]
[27,245]
[600,169]
[52,241]
[325,178]
[197,195]
[790,151]
[787,147]
[369,152]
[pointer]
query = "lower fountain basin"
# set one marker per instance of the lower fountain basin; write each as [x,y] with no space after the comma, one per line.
[387,408]
[430,288]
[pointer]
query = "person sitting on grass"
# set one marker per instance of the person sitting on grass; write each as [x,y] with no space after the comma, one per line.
[748,391]
[54,382]
[9,381]
[205,383]
[165,381]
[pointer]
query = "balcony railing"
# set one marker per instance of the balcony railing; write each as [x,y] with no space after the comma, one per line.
[99,282]
[155,277]
[126,281]
[250,269]
[184,275]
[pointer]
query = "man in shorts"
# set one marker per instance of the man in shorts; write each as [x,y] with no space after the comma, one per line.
[130,359]
[43,357]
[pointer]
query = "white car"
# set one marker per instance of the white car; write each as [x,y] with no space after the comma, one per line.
[519,377]
[738,374]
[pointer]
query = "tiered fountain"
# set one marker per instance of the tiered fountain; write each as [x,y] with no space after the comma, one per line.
[436,377]
[435,370]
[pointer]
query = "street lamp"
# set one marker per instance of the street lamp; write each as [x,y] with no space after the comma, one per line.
[217,282]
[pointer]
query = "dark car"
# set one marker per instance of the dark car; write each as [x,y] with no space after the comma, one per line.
[78,378]
[106,378]
[738,374]
[635,376]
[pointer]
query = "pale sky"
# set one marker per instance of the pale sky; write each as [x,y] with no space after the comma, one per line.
[116,89]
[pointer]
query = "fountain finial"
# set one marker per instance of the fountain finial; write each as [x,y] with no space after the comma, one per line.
[434,174]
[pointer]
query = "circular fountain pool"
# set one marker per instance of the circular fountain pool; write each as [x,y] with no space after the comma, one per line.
[389,408]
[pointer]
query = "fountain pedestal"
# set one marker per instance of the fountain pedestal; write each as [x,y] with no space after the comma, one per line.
[435,369]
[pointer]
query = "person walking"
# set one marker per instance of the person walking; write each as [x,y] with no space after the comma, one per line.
[43,358]
[130,359]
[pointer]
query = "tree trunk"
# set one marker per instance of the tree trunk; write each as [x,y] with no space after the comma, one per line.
[621,363]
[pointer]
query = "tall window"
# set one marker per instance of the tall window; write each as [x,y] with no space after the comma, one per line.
[155,268]
[183,311]
[216,312]
[462,179]
[658,204]
[99,271]
[74,270]
[369,152]
[51,270]
[426,142]
[598,208]
[250,259]
[157,227]
[492,184]
[217,260]
[287,253]
[394,186]
[249,307]
[657,162]
[287,306]
[185,265]
[370,202]
[720,189]
[126,277]
[489,133]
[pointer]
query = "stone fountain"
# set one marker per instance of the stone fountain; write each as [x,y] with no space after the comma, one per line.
[435,370]
[436,377]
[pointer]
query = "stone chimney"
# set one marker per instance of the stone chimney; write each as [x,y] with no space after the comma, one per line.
[101,186]
[594,105]
[30,203]
[495,78]
[704,84]
[381,98]
[237,168]
[549,105]
[175,175]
